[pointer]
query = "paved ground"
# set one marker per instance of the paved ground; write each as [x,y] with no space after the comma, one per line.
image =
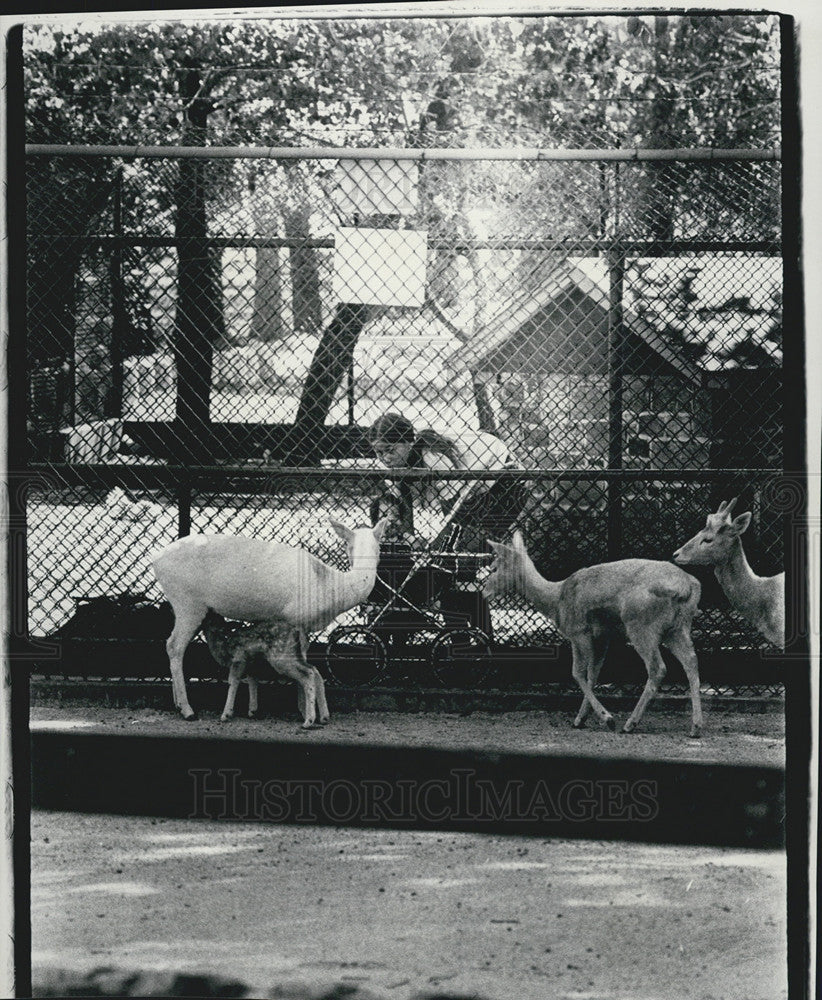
[400,912]
[729,737]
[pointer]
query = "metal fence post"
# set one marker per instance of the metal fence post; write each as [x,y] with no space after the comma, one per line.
[113,406]
[350,392]
[184,507]
[616,360]
[16,771]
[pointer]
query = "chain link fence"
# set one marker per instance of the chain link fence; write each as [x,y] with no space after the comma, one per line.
[594,337]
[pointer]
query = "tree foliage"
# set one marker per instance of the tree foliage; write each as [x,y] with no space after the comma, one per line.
[590,81]
[664,81]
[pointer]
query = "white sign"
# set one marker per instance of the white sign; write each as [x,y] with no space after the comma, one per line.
[377,187]
[380,267]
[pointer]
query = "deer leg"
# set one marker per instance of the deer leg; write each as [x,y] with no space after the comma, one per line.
[292,665]
[682,646]
[235,675]
[600,648]
[186,623]
[319,683]
[648,649]
[582,655]
[322,704]
[252,697]
[307,683]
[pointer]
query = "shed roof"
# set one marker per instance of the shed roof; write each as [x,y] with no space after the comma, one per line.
[590,277]
[722,283]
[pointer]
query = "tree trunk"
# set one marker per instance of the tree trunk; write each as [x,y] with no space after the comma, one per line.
[305,278]
[61,200]
[52,274]
[661,178]
[267,323]
[199,321]
[329,365]
[93,340]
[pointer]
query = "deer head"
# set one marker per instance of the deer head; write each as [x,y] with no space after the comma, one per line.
[508,568]
[714,543]
[361,544]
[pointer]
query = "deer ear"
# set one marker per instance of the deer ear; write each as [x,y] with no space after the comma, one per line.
[519,541]
[501,550]
[741,523]
[346,534]
[379,527]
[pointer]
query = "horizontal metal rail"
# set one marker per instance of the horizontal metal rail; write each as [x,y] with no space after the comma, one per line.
[575,248]
[40,469]
[158,475]
[400,153]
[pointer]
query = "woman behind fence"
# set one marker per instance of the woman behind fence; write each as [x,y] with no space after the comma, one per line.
[479,509]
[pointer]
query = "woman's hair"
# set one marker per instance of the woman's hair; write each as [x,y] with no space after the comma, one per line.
[430,440]
[392,428]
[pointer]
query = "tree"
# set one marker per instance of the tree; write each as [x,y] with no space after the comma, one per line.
[579,81]
[199,320]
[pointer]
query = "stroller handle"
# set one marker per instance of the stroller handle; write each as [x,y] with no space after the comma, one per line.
[426,552]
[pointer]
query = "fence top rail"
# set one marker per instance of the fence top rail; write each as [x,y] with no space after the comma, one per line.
[574,247]
[46,472]
[339,153]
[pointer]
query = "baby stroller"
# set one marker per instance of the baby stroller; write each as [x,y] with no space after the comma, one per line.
[421,618]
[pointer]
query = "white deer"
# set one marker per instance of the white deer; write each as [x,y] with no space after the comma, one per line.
[647,602]
[759,599]
[252,580]
[283,647]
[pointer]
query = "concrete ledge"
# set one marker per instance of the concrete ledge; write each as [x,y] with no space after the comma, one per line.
[427,788]
[520,668]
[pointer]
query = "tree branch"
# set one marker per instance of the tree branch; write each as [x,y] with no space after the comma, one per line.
[710,71]
[459,334]
[212,77]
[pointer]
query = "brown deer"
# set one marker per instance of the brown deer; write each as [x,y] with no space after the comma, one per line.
[759,599]
[283,647]
[649,603]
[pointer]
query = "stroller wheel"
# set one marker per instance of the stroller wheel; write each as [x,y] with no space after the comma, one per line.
[460,657]
[355,656]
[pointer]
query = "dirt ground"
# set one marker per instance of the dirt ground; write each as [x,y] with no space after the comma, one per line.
[401,912]
[728,736]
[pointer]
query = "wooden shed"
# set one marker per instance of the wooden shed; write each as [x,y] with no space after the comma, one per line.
[549,360]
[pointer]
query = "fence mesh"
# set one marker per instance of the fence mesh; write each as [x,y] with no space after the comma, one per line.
[239,315]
